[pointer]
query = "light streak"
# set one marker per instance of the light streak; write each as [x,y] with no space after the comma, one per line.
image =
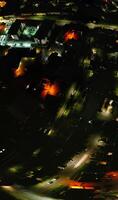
[82,160]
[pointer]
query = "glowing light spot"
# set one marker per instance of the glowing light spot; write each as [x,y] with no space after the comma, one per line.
[106,110]
[15,169]
[103,163]
[7,188]
[82,160]
[2,27]
[2,4]
[20,71]
[71,35]
[50,89]
[109,153]
[6,52]
[94,51]
[112,174]
[80,185]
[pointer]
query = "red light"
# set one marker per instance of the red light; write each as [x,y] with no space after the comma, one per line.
[113,174]
[19,72]
[50,89]
[106,1]
[80,185]
[2,27]
[71,35]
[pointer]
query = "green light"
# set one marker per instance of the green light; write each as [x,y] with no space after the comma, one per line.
[116,91]
[89,73]
[15,169]
[30,31]
[116,74]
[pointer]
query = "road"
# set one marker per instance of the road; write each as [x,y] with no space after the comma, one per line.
[103,26]
[43,16]
[52,184]
[101,88]
[70,171]
[40,17]
[21,193]
[78,162]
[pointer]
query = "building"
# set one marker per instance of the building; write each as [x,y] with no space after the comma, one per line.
[28,34]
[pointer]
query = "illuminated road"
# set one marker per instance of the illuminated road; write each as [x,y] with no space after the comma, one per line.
[20,193]
[40,16]
[81,160]
[103,26]
[71,170]
[77,162]
[108,187]
[43,16]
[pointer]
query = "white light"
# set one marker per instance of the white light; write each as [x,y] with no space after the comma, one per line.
[8,188]
[82,160]
[109,153]
[27,87]
[110,103]
[3,149]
